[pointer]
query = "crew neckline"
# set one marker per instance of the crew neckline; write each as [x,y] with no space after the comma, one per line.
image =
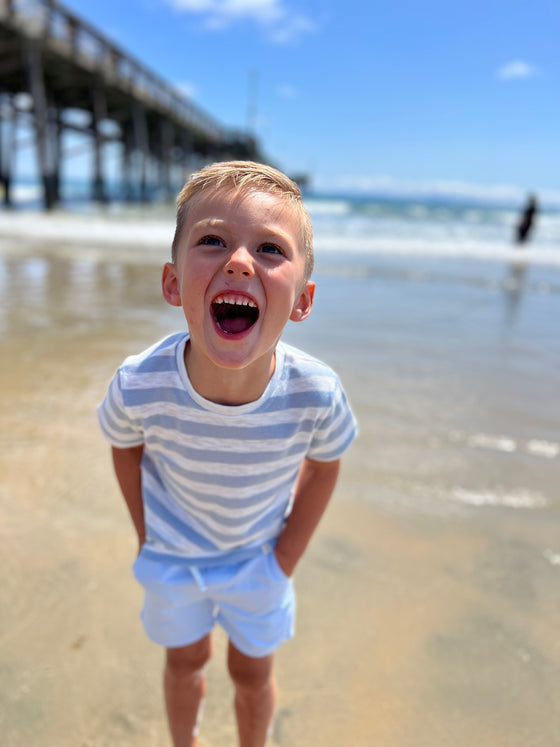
[211,406]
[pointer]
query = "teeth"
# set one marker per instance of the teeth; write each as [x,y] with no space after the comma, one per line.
[235,301]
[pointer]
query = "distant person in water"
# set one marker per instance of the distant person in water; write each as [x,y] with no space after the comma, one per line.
[526,221]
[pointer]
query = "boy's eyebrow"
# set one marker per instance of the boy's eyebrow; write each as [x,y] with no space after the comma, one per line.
[209,222]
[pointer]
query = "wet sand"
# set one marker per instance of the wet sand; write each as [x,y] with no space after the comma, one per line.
[414,629]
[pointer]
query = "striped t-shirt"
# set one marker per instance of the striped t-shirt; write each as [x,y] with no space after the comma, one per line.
[218,478]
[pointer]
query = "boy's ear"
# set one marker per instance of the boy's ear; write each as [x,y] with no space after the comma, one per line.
[302,307]
[170,285]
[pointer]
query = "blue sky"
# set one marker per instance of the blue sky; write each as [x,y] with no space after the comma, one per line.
[401,94]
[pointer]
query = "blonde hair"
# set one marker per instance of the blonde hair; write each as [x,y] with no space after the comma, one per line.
[246,176]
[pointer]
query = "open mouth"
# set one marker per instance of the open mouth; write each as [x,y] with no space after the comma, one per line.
[234,314]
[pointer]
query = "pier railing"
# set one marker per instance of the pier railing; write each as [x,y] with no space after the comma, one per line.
[73,37]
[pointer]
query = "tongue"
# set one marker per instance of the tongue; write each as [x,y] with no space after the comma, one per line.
[234,325]
[233,318]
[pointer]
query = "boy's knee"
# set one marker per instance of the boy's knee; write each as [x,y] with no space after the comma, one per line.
[248,673]
[188,660]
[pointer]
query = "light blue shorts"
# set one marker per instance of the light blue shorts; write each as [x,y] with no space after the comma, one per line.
[252,600]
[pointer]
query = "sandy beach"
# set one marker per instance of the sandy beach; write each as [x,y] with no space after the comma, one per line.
[428,604]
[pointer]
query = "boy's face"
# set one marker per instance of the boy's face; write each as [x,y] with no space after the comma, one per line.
[239,276]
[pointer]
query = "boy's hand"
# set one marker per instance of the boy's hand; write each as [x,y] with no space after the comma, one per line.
[287,565]
[141,541]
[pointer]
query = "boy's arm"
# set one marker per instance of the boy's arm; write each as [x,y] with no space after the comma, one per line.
[314,487]
[127,468]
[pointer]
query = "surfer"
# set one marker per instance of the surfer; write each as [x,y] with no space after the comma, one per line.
[526,221]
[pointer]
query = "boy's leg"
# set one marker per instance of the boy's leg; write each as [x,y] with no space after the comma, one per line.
[255,696]
[184,688]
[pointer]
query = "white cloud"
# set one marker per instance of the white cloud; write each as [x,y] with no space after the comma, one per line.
[228,7]
[282,24]
[292,27]
[187,89]
[516,69]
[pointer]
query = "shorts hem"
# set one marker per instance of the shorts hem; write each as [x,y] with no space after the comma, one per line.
[258,652]
[159,641]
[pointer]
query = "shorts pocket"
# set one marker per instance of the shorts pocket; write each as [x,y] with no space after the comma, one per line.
[275,569]
[136,565]
[155,575]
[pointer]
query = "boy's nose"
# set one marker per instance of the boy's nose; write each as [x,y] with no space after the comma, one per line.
[240,263]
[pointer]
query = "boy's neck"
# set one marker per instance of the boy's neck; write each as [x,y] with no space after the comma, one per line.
[226,386]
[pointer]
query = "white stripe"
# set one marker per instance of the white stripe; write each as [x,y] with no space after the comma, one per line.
[226,469]
[211,492]
[333,446]
[215,444]
[253,420]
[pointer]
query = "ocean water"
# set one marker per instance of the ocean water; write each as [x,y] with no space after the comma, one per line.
[430,228]
[448,336]
[444,331]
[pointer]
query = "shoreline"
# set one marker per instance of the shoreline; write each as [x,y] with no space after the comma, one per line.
[99,233]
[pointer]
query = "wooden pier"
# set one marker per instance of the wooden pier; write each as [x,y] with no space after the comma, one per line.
[59,74]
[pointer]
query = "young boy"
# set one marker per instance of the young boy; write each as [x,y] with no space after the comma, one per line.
[226,442]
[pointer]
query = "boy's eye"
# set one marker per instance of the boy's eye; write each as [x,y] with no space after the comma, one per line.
[270,249]
[211,241]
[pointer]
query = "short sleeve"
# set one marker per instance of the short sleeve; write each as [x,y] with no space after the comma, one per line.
[335,430]
[118,427]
